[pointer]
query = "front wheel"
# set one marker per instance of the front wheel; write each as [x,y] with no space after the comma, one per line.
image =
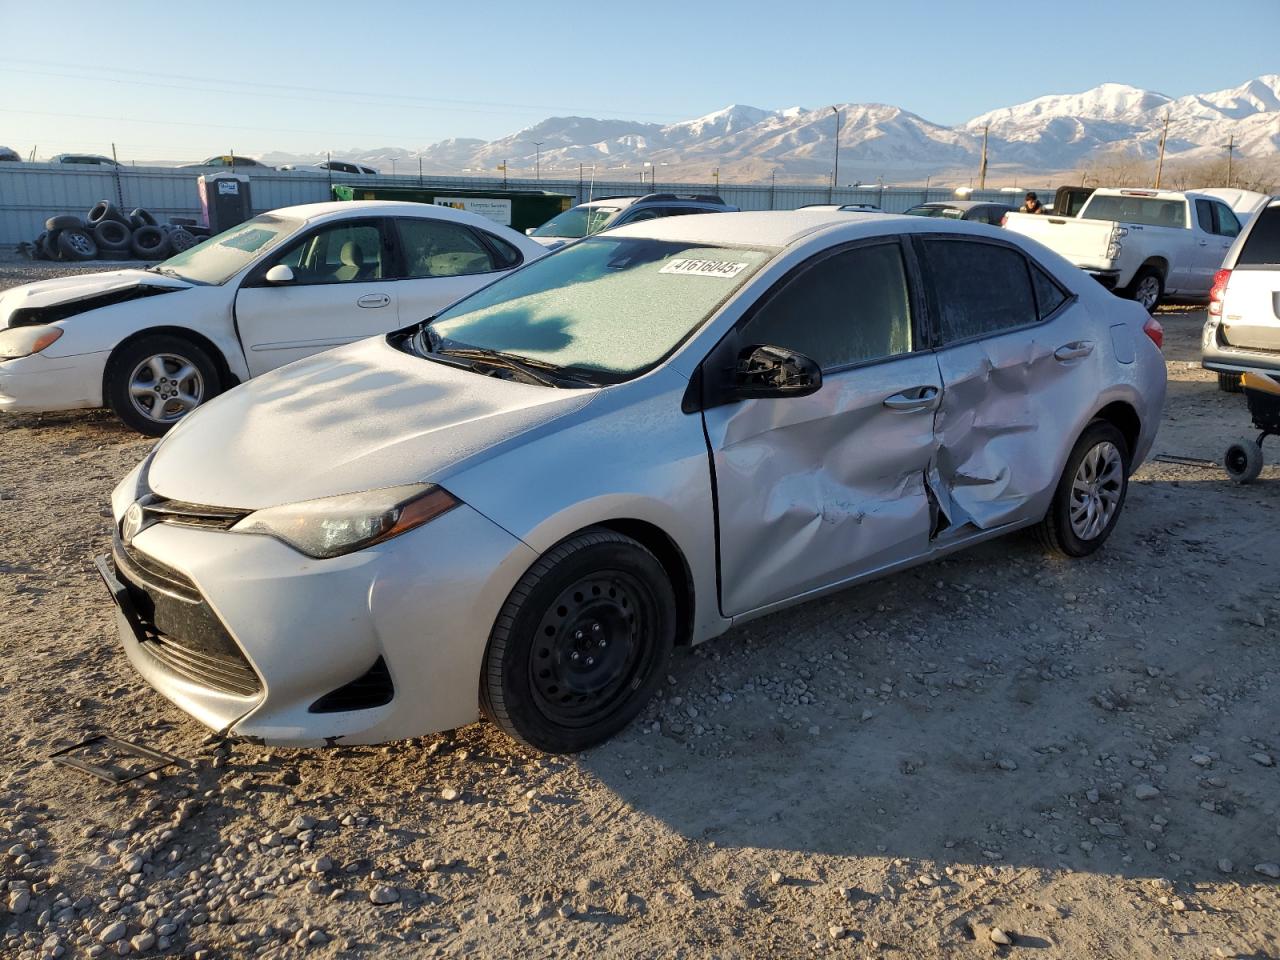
[1090,494]
[580,644]
[155,381]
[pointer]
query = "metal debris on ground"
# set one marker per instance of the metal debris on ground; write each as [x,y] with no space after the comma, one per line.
[118,760]
[1186,461]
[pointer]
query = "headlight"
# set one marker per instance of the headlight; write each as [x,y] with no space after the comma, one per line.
[336,525]
[24,341]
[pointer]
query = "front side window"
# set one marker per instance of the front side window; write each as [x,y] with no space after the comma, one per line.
[979,288]
[221,257]
[1143,210]
[847,308]
[341,253]
[437,248]
[610,306]
[577,222]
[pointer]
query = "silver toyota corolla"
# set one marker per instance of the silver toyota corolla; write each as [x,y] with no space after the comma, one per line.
[519,507]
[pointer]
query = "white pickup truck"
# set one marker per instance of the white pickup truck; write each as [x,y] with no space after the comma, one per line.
[1143,244]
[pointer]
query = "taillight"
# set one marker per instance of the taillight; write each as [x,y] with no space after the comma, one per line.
[1218,291]
[1153,330]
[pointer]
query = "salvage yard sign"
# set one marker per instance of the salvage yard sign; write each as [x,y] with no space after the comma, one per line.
[495,209]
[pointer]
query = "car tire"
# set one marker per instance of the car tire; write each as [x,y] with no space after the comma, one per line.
[1080,521]
[64,222]
[1230,383]
[150,243]
[1243,461]
[113,236]
[49,244]
[580,644]
[138,217]
[105,210]
[132,375]
[1147,288]
[77,245]
[40,253]
[181,239]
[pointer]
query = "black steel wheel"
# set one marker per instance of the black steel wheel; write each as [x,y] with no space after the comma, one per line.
[580,644]
[1243,461]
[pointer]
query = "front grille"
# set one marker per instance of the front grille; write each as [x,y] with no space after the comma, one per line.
[180,512]
[178,626]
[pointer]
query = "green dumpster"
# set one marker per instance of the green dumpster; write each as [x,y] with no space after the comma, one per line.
[517,209]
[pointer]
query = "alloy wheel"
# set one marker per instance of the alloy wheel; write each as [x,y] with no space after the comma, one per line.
[165,387]
[1096,490]
[1148,292]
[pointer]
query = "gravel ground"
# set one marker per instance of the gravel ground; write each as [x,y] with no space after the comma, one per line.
[994,754]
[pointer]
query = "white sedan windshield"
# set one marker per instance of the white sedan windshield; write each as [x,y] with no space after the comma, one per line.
[612,306]
[221,257]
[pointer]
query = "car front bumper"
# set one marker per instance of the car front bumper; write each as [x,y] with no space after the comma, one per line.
[416,610]
[41,383]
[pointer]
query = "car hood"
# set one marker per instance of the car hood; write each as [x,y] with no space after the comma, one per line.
[84,288]
[360,417]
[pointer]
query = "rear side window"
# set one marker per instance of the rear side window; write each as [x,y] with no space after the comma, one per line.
[1262,246]
[979,288]
[1228,225]
[508,256]
[436,248]
[847,308]
[1049,296]
[1204,216]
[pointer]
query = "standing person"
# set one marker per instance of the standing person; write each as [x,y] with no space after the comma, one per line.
[1032,204]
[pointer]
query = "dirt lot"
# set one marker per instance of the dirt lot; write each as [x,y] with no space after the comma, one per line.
[1084,755]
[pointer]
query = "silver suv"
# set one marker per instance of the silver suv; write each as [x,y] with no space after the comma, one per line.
[587,219]
[1242,331]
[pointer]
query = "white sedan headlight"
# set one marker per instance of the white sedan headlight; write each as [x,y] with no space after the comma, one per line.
[333,526]
[23,341]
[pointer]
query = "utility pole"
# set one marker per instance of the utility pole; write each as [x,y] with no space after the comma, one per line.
[835,167]
[1231,149]
[419,169]
[1164,136]
[537,163]
[773,189]
[982,171]
[503,167]
[716,173]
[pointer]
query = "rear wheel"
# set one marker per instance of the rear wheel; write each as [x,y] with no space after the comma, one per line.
[1090,494]
[155,381]
[1147,288]
[1243,461]
[581,643]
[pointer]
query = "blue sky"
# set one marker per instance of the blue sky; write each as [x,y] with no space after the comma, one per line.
[171,82]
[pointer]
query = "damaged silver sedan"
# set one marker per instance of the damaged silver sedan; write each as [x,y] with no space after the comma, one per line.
[520,507]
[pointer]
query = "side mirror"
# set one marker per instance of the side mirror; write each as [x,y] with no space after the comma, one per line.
[528,231]
[774,372]
[280,273]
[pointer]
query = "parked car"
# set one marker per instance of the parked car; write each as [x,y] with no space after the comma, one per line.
[331,166]
[609,212]
[9,155]
[86,159]
[519,507]
[1242,329]
[1143,244]
[226,160]
[1245,204]
[979,211]
[154,344]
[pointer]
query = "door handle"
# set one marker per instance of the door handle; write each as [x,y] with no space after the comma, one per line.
[1073,351]
[917,398]
[1204,243]
[371,300]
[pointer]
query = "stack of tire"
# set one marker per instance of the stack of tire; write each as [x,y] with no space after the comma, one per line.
[108,234]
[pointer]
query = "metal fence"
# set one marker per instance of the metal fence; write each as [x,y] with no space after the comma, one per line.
[30,193]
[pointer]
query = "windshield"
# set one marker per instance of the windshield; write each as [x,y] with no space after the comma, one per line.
[950,213]
[609,308]
[578,222]
[219,258]
[1143,210]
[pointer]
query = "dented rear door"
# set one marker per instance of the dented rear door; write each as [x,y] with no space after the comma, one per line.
[1018,357]
[814,490]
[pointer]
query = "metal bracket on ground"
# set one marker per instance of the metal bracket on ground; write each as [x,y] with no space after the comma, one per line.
[113,771]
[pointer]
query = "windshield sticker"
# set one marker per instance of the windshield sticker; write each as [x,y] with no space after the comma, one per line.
[705,268]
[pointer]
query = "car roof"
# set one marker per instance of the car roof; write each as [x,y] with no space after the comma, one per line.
[962,204]
[336,209]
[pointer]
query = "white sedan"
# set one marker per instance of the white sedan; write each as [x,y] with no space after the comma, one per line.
[154,344]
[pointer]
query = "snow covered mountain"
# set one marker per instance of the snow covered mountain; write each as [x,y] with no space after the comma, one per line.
[1050,133]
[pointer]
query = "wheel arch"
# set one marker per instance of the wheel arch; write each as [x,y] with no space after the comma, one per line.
[225,375]
[1124,417]
[656,540]
[1160,264]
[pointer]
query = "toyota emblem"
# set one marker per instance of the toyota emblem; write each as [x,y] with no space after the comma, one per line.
[131,524]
